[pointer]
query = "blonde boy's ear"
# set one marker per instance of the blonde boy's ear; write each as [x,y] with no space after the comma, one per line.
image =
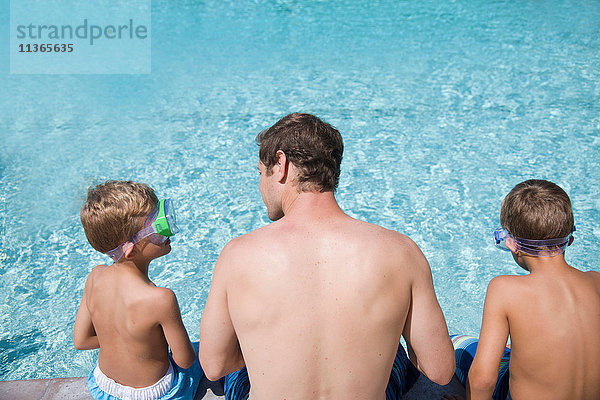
[128,250]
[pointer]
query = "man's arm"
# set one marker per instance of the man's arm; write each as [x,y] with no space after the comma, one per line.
[169,317]
[425,330]
[494,334]
[220,352]
[84,334]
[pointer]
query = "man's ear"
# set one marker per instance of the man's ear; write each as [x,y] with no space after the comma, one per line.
[571,240]
[129,250]
[281,167]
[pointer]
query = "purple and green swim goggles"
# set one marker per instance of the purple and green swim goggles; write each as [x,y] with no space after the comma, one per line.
[537,248]
[159,225]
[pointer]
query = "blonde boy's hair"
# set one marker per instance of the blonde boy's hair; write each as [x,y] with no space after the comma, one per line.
[537,209]
[114,212]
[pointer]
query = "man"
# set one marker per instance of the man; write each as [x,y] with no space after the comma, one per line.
[314,304]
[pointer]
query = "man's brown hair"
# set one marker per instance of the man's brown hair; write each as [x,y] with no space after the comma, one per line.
[313,146]
[537,209]
[113,210]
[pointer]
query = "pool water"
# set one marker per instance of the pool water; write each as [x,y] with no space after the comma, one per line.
[443,106]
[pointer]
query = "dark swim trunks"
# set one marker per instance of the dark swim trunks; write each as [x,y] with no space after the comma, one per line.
[465,347]
[403,377]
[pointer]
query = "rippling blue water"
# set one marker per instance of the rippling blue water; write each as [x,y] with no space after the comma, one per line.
[444,107]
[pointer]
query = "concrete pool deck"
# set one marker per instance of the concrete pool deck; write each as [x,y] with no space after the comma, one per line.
[76,389]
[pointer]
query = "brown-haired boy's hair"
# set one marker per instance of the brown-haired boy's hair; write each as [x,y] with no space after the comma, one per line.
[313,146]
[113,210]
[537,209]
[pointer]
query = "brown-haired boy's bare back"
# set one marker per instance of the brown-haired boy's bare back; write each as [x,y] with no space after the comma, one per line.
[553,317]
[131,320]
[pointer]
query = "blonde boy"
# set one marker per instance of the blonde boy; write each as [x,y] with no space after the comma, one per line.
[133,322]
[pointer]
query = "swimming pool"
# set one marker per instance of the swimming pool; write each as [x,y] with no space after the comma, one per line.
[443,106]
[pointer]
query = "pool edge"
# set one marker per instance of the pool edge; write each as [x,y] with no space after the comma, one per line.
[76,389]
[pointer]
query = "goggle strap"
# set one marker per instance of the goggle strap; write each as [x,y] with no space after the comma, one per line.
[115,253]
[531,246]
[543,242]
[118,251]
[143,234]
[536,248]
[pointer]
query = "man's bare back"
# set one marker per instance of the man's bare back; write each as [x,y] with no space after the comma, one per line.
[554,319]
[343,290]
[318,304]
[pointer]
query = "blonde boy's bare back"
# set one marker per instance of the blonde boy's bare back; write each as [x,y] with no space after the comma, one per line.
[553,316]
[126,308]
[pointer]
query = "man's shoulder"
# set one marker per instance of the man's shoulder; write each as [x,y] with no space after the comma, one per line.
[399,244]
[248,240]
[391,250]
[259,238]
[377,232]
[349,224]
[244,248]
[373,238]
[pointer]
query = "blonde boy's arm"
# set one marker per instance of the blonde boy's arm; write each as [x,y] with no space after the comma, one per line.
[84,334]
[492,341]
[220,352]
[176,335]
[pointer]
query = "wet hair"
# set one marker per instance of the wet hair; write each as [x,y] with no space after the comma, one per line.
[537,209]
[314,147]
[113,210]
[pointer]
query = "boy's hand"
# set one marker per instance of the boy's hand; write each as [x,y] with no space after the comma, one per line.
[452,397]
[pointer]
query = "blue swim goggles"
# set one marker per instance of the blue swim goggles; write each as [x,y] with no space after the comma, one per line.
[159,225]
[536,248]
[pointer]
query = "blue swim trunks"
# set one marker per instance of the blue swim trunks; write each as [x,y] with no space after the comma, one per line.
[464,352]
[177,384]
[403,377]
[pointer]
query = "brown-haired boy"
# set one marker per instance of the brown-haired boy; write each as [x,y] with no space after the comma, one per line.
[133,322]
[552,314]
